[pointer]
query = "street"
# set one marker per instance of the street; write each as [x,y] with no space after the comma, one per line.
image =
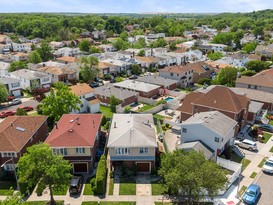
[25,102]
[265,181]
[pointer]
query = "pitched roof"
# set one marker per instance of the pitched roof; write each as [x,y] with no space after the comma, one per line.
[74,130]
[68,59]
[197,146]
[177,69]
[56,70]
[135,85]
[132,130]
[16,131]
[81,89]
[157,80]
[186,106]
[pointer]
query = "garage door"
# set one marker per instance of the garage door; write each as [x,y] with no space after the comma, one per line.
[80,167]
[143,167]
[16,93]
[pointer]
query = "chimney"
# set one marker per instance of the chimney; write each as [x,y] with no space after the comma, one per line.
[115,124]
[11,124]
[56,125]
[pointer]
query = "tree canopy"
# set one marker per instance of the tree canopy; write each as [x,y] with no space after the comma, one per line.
[215,56]
[89,68]
[192,174]
[257,65]
[45,51]
[39,165]
[3,93]
[84,45]
[17,65]
[226,76]
[34,57]
[59,101]
[113,103]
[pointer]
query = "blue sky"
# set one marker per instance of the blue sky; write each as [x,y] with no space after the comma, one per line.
[134,6]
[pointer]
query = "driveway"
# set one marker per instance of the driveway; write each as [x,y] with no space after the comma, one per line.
[265,181]
[25,102]
[143,184]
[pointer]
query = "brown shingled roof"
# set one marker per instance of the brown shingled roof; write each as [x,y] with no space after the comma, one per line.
[186,106]
[177,69]
[81,89]
[16,131]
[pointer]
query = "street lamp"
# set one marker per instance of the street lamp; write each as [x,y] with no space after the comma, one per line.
[15,173]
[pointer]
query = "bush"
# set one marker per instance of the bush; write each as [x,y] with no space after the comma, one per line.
[202,81]
[39,109]
[111,174]
[107,124]
[101,176]
[107,76]
[103,120]
[93,184]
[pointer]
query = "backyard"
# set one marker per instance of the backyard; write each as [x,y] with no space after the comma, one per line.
[106,111]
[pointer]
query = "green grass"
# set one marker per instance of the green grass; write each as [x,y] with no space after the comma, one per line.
[60,191]
[239,159]
[271,150]
[159,189]
[111,187]
[42,202]
[266,137]
[128,188]
[5,186]
[253,175]
[87,188]
[34,114]
[109,203]
[245,163]
[262,162]
[242,190]
[145,108]
[106,111]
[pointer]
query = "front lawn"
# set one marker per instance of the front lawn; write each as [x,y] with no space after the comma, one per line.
[128,188]
[246,162]
[242,190]
[253,175]
[109,203]
[159,188]
[262,162]
[106,111]
[5,186]
[111,187]
[87,188]
[271,150]
[42,202]
[266,137]
[62,191]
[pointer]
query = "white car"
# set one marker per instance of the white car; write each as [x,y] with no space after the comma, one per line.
[268,165]
[247,144]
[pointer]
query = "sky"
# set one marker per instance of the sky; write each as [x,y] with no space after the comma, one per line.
[134,6]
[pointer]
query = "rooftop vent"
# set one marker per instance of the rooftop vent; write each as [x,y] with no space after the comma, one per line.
[20,129]
[71,121]
[70,130]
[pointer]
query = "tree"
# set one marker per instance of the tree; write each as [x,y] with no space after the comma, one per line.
[12,198]
[136,69]
[113,103]
[215,56]
[250,47]
[17,65]
[88,68]
[160,42]
[39,165]
[141,43]
[226,76]
[21,112]
[120,44]
[224,38]
[141,53]
[3,93]
[191,173]
[84,45]
[172,46]
[94,49]
[60,101]
[248,73]
[257,65]
[34,57]
[45,51]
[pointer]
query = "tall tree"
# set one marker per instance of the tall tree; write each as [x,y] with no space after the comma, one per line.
[136,69]
[113,103]
[60,101]
[34,57]
[45,51]
[192,174]
[257,65]
[17,65]
[89,68]
[3,93]
[227,76]
[39,165]
[215,56]
[84,45]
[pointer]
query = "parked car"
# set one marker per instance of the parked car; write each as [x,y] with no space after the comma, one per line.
[7,113]
[252,194]
[100,81]
[14,102]
[94,84]
[76,185]
[266,127]
[11,97]
[268,165]
[26,108]
[132,77]
[247,144]
[113,80]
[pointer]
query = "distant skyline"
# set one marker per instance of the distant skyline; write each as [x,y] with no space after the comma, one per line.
[133,6]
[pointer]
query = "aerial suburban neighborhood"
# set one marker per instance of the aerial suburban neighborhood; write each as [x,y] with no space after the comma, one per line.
[136,108]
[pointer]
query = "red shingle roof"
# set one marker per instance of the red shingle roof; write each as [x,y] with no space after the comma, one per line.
[75,130]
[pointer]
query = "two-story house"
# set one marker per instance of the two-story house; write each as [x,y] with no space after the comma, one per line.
[89,103]
[183,74]
[17,133]
[132,141]
[13,85]
[76,137]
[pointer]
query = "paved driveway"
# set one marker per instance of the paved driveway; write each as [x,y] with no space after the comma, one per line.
[265,181]
[143,185]
[25,102]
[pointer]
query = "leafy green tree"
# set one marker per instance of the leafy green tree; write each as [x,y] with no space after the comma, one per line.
[120,44]
[45,51]
[135,69]
[124,36]
[250,47]
[141,53]
[191,173]
[88,68]
[227,76]
[12,198]
[17,65]
[3,93]
[258,31]
[21,112]
[248,73]
[113,103]
[34,57]
[172,46]
[224,38]
[39,165]
[257,65]
[94,49]
[216,56]
[160,42]
[84,45]
[60,101]
[141,43]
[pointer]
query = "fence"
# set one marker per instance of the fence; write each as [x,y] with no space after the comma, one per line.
[147,100]
[155,109]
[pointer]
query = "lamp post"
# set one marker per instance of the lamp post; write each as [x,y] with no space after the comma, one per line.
[15,173]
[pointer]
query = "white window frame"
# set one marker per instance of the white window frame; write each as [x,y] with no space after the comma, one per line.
[60,151]
[8,154]
[80,150]
[9,167]
[122,151]
[143,150]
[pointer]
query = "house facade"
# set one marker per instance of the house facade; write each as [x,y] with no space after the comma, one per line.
[13,85]
[76,137]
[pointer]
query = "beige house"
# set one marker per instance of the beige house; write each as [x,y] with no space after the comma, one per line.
[132,141]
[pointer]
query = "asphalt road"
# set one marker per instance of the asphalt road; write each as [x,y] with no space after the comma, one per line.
[265,181]
[25,102]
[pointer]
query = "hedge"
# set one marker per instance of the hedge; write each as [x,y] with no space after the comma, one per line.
[101,176]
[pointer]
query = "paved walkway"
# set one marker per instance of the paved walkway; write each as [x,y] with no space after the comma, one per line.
[143,185]
[116,181]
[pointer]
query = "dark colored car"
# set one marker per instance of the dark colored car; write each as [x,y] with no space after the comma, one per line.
[252,194]
[94,84]
[133,77]
[26,108]
[76,185]
[112,80]
[99,80]
[7,113]
[266,127]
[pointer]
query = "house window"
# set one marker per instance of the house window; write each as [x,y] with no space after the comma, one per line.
[255,87]
[80,150]
[177,74]
[122,151]
[83,96]
[8,154]
[60,151]
[184,130]
[216,139]
[190,78]
[14,85]
[81,105]
[248,86]
[143,150]
[9,167]
[171,74]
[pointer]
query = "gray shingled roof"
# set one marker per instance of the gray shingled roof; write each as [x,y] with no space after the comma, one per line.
[135,85]
[157,80]
[6,80]
[197,146]
[132,130]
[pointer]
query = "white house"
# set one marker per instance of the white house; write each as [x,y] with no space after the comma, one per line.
[66,51]
[194,55]
[18,47]
[13,85]
[214,129]
[4,68]
[89,103]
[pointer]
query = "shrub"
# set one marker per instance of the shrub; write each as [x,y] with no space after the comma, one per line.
[101,176]
[93,184]
[107,76]
[107,124]
[111,174]
[103,120]
[202,81]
